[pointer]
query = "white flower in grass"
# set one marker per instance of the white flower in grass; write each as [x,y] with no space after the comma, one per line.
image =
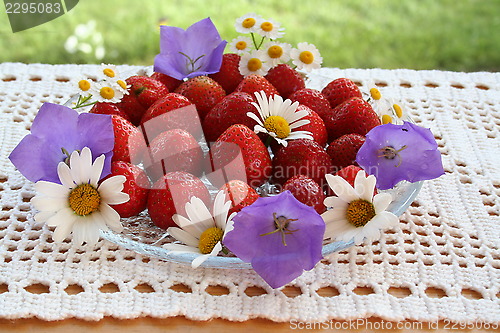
[248,23]
[270,29]
[306,56]
[240,45]
[107,91]
[253,63]
[80,205]
[355,213]
[279,118]
[202,232]
[276,53]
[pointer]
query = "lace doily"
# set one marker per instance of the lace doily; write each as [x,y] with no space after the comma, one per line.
[442,262]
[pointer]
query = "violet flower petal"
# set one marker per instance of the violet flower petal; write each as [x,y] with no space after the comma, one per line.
[420,160]
[276,263]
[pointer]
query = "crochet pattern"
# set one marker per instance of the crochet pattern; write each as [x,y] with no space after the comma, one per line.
[441,262]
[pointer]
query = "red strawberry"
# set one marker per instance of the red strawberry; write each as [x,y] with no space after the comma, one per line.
[301,156]
[343,150]
[127,139]
[253,83]
[169,82]
[340,90]
[254,167]
[316,126]
[146,89]
[313,99]
[136,186]
[170,194]
[306,191]
[108,108]
[231,110]
[285,79]
[353,116]
[240,194]
[173,150]
[131,106]
[202,91]
[229,74]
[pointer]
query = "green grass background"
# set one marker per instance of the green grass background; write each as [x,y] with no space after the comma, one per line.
[458,35]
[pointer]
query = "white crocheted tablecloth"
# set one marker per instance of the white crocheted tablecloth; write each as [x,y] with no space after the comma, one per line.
[441,262]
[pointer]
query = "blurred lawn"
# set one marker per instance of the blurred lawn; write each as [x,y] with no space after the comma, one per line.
[459,35]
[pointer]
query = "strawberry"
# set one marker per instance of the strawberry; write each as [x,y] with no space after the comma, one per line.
[202,91]
[173,150]
[165,118]
[231,110]
[313,99]
[343,150]
[169,196]
[108,108]
[240,194]
[136,186]
[352,116]
[253,83]
[254,167]
[316,126]
[301,156]
[340,90]
[229,74]
[285,79]
[132,108]
[127,138]
[306,191]
[168,81]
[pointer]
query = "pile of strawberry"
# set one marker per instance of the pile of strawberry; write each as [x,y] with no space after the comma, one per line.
[172,160]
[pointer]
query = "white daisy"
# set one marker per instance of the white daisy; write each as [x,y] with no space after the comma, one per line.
[112,76]
[276,53]
[306,56]
[253,63]
[109,71]
[85,86]
[202,232]
[270,29]
[107,91]
[279,118]
[387,109]
[248,23]
[80,205]
[355,213]
[241,45]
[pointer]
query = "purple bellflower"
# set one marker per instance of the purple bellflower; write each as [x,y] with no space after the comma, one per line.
[280,236]
[56,132]
[393,153]
[192,52]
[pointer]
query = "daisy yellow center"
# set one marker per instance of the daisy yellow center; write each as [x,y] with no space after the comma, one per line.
[278,125]
[109,72]
[386,119]
[122,84]
[398,110]
[241,45]
[107,92]
[275,51]
[360,212]
[306,57]
[209,238]
[254,64]
[375,93]
[266,26]
[248,22]
[84,199]
[84,85]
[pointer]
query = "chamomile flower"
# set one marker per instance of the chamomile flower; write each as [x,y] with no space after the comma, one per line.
[107,91]
[248,23]
[85,87]
[240,45]
[279,118]
[306,56]
[253,63]
[80,205]
[276,53]
[388,110]
[202,232]
[355,213]
[109,71]
[270,29]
